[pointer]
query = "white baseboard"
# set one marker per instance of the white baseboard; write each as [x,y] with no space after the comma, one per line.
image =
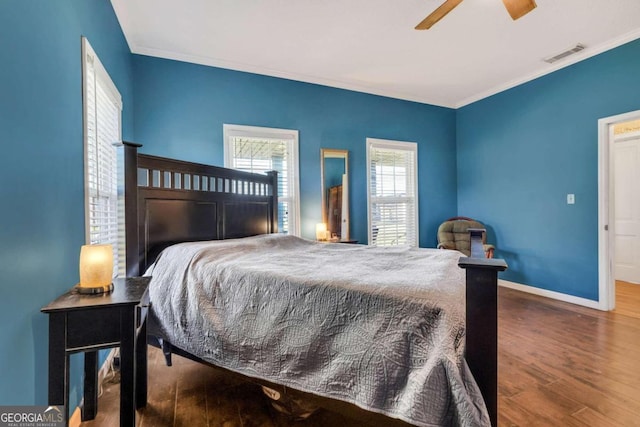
[76,417]
[549,294]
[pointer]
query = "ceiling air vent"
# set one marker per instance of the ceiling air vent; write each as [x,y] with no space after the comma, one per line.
[577,48]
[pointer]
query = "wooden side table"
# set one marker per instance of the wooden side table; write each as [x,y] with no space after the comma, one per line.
[88,323]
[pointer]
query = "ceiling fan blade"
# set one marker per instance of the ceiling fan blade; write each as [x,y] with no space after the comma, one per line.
[519,8]
[438,14]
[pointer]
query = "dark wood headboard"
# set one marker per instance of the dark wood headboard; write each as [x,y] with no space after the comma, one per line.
[169,201]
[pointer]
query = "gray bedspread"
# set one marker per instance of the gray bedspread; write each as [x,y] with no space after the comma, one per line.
[382,328]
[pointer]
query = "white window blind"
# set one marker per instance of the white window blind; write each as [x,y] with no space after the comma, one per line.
[258,150]
[102,108]
[392,192]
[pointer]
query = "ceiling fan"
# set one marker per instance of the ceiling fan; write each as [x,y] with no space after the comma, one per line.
[517,9]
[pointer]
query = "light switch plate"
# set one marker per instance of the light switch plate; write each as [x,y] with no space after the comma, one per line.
[571,199]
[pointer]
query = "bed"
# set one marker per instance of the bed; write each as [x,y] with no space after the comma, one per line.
[175,206]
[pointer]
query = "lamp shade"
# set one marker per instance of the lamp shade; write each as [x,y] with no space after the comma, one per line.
[321,231]
[96,268]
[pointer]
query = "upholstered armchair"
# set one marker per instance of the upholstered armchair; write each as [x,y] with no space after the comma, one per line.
[454,234]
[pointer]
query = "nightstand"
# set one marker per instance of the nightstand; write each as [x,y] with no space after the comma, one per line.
[88,323]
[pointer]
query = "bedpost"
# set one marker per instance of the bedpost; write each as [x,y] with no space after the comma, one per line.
[482,326]
[477,248]
[274,200]
[131,207]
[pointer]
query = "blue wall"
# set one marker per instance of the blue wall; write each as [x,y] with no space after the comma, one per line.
[522,151]
[42,187]
[180,109]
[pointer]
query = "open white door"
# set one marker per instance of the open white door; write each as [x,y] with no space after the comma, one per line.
[618,128]
[626,174]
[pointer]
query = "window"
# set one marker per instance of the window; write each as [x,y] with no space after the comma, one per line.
[392,192]
[258,150]
[102,111]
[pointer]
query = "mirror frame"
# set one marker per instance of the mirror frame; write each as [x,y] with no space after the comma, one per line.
[333,153]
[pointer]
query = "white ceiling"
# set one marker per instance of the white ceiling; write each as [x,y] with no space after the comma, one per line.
[371,45]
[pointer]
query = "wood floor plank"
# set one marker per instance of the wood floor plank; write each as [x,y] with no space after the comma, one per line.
[628,299]
[191,405]
[589,417]
[161,395]
[602,404]
[517,376]
[221,401]
[515,413]
[252,406]
[556,405]
[108,398]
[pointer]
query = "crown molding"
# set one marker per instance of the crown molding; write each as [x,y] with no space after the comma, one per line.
[249,68]
[589,52]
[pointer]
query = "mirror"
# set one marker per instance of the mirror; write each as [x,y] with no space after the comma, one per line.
[334,173]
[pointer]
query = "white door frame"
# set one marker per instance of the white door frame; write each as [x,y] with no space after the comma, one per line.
[606,232]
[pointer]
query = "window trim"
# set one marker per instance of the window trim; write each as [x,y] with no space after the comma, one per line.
[231,130]
[102,76]
[393,145]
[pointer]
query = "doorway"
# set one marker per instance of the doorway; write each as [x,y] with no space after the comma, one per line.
[619,206]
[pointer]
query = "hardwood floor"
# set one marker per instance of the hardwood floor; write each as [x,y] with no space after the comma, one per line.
[559,365]
[566,365]
[627,299]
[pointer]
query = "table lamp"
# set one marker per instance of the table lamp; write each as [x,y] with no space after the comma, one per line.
[96,269]
[321,231]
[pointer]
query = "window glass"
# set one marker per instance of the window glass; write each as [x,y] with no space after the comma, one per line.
[259,150]
[102,110]
[392,192]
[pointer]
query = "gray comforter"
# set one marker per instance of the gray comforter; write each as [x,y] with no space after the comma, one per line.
[382,328]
